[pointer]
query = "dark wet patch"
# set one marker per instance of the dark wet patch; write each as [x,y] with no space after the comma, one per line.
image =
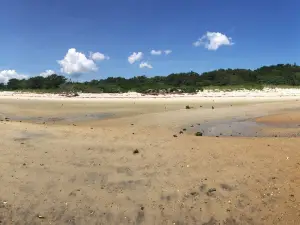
[203,187]
[63,119]
[226,187]
[140,217]
[95,177]
[212,221]
[26,135]
[125,185]
[230,221]
[125,170]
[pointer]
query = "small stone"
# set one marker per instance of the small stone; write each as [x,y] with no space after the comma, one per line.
[142,208]
[132,133]
[192,125]
[40,217]
[211,190]
[174,135]
[187,107]
[132,124]
[184,129]
[136,151]
[24,164]
[212,107]
[181,132]
[193,193]
[198,134]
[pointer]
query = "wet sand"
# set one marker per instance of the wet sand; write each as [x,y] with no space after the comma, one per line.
[126,162]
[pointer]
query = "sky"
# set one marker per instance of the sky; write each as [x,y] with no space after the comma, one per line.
[95,39]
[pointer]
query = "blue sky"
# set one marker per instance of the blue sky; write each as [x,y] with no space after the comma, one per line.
[35,34]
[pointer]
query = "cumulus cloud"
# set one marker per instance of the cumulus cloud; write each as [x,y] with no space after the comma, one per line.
[167,52]
[76,63]
[6,75]
[159,52]
[145,65]
[97,56]
[156,52]
[47,73]
[136,56]
[213,40]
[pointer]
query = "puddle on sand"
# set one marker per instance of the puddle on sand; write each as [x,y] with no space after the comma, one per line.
[243,128]
[63,119]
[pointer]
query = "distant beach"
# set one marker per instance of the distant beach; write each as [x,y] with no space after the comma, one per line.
[266,93]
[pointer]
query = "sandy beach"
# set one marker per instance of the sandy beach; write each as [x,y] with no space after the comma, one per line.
[133,159]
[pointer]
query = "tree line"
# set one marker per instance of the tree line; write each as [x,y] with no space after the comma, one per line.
[281,74]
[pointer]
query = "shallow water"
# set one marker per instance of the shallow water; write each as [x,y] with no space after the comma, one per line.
[240,128]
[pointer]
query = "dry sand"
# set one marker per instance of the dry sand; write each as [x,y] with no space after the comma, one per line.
[73,162]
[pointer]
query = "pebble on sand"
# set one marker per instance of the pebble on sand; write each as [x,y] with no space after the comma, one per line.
[198,134]
[136,151]
[211,190]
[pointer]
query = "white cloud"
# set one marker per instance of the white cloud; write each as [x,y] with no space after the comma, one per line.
[135,57]
[156,52]
[6,75]
[159,52]
[76,63]
[145,65]
[97,56]
[213,40]
[167,52]
[47,73]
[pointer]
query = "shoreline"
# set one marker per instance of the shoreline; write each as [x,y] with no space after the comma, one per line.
[264,94]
